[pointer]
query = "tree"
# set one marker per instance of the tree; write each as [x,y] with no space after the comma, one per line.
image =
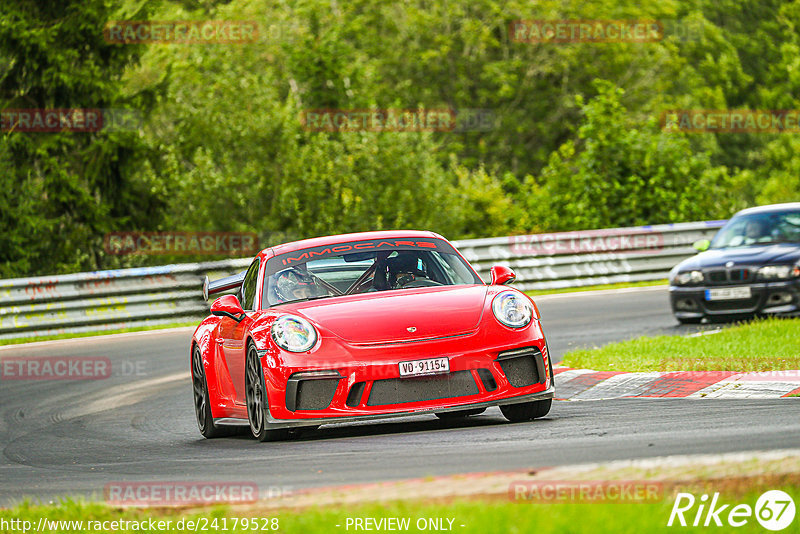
[63,190]
[626,173]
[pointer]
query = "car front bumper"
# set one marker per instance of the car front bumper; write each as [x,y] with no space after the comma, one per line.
[296,423]
[347,382]
[773,298]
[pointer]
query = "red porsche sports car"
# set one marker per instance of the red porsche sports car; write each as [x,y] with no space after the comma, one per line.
[360,326]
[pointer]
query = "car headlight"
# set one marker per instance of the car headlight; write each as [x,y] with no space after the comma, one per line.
[778,272]
[294,334]
[512,309]
[688,277]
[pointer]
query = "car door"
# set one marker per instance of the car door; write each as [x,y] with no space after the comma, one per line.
[233,333]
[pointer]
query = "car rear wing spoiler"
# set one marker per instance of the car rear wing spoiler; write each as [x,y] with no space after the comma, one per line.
[223,284]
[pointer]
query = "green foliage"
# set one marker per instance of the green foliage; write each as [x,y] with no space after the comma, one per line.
[576,143]
[485,206]
[61,191]
[244,162]
[622,173]
[779,172]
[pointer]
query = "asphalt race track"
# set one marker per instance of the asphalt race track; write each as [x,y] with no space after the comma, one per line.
[74,437]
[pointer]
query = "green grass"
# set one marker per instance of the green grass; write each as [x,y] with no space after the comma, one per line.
[761,345]
[32,339]
[620,285]
[499,516]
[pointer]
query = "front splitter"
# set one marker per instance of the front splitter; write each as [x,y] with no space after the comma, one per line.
[295,423]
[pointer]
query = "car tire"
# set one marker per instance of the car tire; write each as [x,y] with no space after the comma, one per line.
[459,414]
[202,406]
[526,411]
[690,320]
[256,398]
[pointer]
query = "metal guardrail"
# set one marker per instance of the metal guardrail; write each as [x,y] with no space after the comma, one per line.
[126,298]
[590,257]
[107,300]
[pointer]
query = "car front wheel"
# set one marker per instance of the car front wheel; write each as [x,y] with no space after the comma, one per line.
[526,411]
[256,398]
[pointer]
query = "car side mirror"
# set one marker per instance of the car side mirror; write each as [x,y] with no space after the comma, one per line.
[228,306]
[502,275]
[702,245]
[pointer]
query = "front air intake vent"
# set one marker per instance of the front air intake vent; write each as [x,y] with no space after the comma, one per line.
[354,397]
[420,389]
[312,390]
[522,367]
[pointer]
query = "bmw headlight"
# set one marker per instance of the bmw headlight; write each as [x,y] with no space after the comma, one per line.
[688,277]
[778,272]
[512,309]
[294,334]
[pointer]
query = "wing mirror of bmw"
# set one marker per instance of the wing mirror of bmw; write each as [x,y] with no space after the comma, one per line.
[702,245]
[228,306]
[502,275]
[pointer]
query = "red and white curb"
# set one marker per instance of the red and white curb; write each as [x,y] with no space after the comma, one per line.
[585,384]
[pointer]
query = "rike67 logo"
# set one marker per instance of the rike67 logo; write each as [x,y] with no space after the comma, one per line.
[774,510]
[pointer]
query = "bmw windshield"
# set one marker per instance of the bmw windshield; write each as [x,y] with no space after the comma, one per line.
[363,267]
[759,229]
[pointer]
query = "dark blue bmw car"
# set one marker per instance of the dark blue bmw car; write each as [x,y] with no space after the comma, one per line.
[751,267]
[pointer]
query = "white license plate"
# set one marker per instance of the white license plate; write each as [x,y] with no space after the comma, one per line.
[432,366]
[728,293]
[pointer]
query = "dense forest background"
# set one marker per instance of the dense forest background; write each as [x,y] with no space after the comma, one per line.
[576,141]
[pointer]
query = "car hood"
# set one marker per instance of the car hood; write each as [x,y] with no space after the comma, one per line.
[399,315]
[746,256]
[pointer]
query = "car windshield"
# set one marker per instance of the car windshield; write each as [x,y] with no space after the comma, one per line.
[759,229]
[334,271]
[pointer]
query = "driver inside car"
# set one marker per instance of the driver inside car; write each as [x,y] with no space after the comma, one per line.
[754,232]
[293,284]
[404,269]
